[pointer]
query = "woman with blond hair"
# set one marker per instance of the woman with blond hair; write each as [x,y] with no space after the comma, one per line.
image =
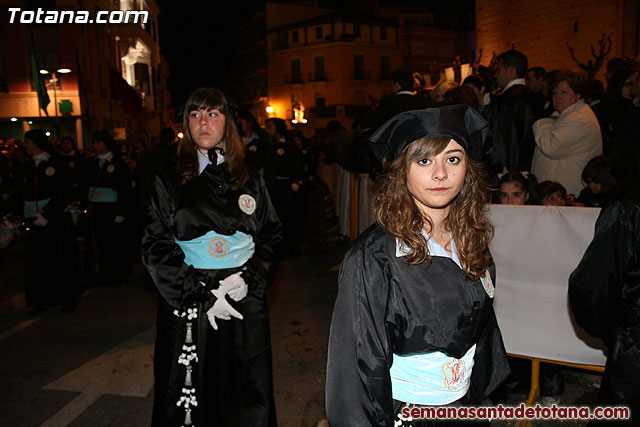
[414,324]
[209,245]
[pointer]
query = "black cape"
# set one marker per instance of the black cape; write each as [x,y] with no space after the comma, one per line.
[232,377]
[604,292]
[386,306]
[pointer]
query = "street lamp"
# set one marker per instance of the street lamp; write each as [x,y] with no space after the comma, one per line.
[54,82]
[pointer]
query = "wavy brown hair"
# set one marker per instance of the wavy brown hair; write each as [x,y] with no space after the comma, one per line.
[209,99]
[398,214]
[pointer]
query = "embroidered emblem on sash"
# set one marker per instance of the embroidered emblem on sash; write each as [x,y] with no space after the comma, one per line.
[49,171]
[280,151]
[247,204]
[111,168]
[253,148]
[487,284]
[71,164]
[218,247]
[453,372]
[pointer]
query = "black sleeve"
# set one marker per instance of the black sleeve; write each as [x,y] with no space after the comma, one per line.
[358,391]
[178,283]
[589,291]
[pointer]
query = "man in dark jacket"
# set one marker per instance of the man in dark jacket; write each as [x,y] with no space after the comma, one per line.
[403,98]
[604,292]
[512,115]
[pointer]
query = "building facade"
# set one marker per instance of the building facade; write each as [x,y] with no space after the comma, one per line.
[115,79]
[543,29]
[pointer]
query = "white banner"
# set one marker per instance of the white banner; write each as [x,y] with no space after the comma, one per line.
[535,249]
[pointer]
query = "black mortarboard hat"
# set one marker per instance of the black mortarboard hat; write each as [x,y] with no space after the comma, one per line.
[459,122]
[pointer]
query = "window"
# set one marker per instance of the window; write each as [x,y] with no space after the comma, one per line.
[318,32]
[358,66]
[356,29]
[383,33]
[294,36]
[296,75]
[319,68]
[385,67]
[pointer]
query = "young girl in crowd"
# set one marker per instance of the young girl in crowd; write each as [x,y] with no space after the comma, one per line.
[516,188]
[552,193]
[413,323]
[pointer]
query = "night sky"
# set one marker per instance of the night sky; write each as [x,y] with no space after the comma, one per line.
[198,39]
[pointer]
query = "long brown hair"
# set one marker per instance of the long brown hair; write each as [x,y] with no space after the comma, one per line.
[398,214]
[208,99]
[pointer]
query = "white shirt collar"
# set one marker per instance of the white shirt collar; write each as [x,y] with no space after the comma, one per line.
[434,249]
[513,83]
[249,138]
[203,160]
[37,158]
[106,156]
[404,92]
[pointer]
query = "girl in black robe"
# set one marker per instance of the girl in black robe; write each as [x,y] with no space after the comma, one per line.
[417,287]
[209,245]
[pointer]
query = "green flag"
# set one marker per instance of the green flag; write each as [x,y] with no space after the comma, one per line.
[38,82]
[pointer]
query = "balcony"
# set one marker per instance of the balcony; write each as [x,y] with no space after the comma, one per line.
[362,75]
[317,76]
[291,79]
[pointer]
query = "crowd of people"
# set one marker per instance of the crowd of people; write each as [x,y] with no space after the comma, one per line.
[239,193]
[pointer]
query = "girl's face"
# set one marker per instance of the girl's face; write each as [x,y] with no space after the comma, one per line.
[436,181]
[595,187]
[206,128]
[553,199]
[511,193]
[563,96]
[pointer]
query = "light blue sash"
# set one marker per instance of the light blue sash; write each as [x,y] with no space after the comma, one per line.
[30,207]
[432,378]
[217,251]
[103,195]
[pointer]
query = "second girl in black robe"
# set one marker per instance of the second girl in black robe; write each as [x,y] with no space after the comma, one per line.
[211,232]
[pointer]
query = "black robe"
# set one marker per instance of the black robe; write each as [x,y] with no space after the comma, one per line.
[604,292]
[51,268]
[232,377]
[386,306]
[512,115]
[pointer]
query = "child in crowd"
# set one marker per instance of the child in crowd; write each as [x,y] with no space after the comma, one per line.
[516,188]
[551,193]
[600,183]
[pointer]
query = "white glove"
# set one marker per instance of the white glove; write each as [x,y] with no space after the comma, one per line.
[234,286]
[40,221]
[221,309]
[118,219]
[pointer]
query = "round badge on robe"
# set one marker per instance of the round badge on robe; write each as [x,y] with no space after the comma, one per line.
[453,372]
[111,168]
[49,171]
[71,164]
[253,148]
[280,151]
[218,247]
[247,204]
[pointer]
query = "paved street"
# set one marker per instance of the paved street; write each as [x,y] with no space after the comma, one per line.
[93,367]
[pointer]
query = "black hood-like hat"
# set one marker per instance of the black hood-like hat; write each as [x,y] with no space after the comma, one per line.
[459,122]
